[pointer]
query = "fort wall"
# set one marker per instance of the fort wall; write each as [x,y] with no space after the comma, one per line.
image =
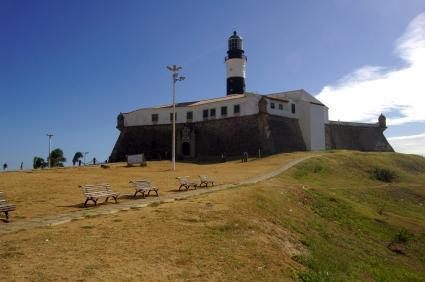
[232,136]
[356,136]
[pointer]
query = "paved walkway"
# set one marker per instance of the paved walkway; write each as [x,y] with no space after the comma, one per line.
[62,218]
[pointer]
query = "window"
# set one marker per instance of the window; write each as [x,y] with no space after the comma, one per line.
[272,105]
[224,111]
[171,116]
[280,107]
[189,116]
[154,117]
[205,114]
[236,109]
[212,112]
[293,108]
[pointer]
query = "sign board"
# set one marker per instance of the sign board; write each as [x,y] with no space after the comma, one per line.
[136,160]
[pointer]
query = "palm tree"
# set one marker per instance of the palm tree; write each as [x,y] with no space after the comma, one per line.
[76,158]
[56,158]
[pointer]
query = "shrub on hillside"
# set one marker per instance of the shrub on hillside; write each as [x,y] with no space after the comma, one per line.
[383,174]
[403,236]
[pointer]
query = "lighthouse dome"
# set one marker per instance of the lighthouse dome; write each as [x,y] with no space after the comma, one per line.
[235,35]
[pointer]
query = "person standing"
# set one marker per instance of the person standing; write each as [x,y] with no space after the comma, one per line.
[22,165]
[5,166]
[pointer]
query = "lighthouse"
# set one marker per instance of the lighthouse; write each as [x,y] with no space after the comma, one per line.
[236,64]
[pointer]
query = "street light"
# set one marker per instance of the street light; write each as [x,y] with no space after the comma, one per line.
[85,153]
[175,70]
[48,156]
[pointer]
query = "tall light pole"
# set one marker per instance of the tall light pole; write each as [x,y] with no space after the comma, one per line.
[175,70]
[48,156]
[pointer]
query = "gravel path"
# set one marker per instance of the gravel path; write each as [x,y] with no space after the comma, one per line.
[62,218]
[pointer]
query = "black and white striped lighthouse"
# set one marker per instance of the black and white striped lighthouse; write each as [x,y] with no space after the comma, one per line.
[236,64]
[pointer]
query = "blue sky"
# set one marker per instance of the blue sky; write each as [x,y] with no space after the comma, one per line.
[70,67]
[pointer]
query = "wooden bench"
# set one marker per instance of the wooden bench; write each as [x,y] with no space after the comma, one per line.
[186,182]
[93,192]
[205,180]
[5,206]
[143,186]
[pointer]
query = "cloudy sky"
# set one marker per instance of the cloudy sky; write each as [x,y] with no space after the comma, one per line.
[70,67]
[398,92]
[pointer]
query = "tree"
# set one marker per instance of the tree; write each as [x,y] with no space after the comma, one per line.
[56,158]
[77,157]
[38,162]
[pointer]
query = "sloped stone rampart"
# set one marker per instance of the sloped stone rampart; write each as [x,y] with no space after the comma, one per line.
[367,137]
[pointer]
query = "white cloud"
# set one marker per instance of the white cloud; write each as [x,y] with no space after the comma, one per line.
[412,144]
[366,92]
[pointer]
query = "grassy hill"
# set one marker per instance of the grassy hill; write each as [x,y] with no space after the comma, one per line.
[341,216]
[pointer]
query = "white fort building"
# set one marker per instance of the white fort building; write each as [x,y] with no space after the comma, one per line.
[242,121]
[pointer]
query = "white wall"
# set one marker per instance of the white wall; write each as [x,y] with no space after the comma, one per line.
[317,127]
[285,112]
[303,109]
[312,122]
[248,106]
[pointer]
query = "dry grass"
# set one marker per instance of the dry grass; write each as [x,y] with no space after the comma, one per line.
[40,193]
[324,220]
[214,237]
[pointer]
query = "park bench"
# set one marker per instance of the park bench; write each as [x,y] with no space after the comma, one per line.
[5,206]
[205,180]
[93,192]
[143,187]
[186,182]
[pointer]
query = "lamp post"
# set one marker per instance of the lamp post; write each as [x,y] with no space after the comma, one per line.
[48,156]
[175,72]
[85,153]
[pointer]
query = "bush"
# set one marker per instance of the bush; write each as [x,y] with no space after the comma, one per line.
[403,236]
[383,174]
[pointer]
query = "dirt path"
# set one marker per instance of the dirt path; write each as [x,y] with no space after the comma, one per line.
[62,218]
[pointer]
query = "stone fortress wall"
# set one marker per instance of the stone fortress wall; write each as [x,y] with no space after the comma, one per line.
[356,136]
[232,136]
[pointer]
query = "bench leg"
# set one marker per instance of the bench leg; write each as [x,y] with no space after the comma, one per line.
[139,191]
[116,199]
[6,213]
[156,191]
[182,186]
[106,200]
[90,199]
